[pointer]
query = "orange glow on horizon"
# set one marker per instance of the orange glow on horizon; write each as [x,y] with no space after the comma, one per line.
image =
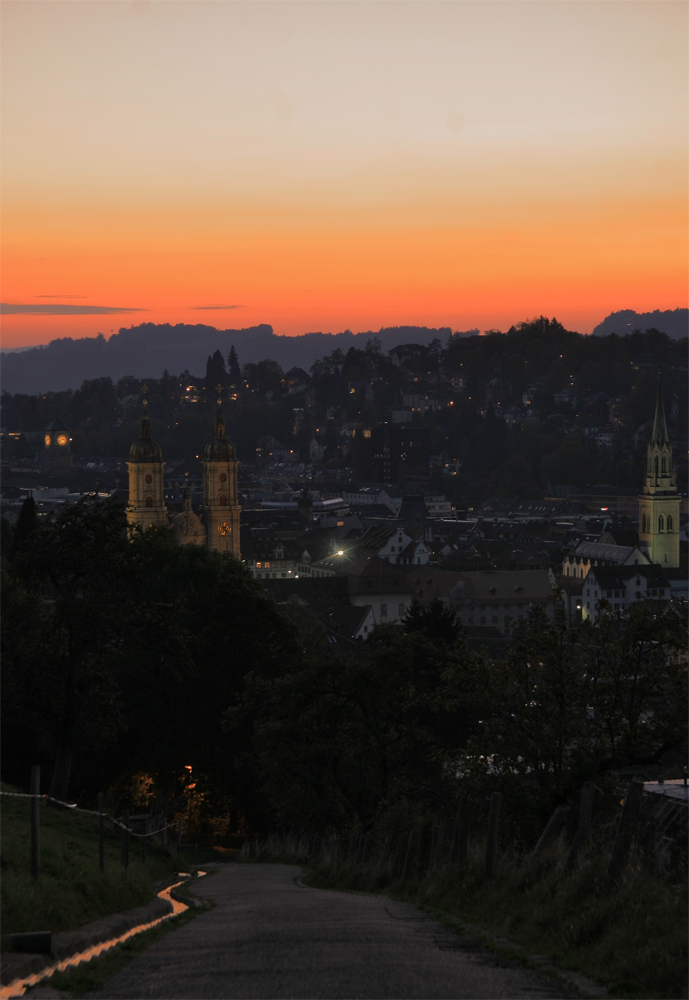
[461,165]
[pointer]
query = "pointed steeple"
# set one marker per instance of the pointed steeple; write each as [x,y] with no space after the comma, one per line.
[660,434]
[219,424]
[144,427]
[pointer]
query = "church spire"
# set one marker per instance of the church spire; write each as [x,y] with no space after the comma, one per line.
[660,434]
[219,418]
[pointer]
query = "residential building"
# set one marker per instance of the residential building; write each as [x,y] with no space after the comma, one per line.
[622,586]
[501,597]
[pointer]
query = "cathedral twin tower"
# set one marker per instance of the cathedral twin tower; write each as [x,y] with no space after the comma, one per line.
[220,507]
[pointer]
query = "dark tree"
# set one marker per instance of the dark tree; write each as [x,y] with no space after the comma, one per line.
[437,621]
[215,370]
[233,368]
[27,522]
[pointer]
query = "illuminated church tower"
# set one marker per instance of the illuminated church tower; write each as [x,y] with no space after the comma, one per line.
[146,494]
[659,502]
[220,492]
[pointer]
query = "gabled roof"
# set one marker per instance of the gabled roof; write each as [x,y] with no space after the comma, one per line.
[57,425]
[615,554]
[371,575]
[609,577]
[503,585]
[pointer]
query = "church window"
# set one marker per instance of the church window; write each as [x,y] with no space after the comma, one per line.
[222,500]
[664,465]
[223,477]
[669,522]
[149,501]
[661,523]
[656,466]
[149,478]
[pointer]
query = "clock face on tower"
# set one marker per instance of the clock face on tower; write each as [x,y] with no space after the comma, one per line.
[224,528]
[47,440]
[62,439]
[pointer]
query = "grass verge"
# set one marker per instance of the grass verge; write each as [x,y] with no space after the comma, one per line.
[94,975]
[631,938]
[71,890]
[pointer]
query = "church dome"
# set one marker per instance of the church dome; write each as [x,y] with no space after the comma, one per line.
[145,450]
[220,449]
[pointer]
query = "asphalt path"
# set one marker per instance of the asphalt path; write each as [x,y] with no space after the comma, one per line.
[268,936]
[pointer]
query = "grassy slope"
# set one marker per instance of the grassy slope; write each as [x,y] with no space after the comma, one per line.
[71,889]
[633,937]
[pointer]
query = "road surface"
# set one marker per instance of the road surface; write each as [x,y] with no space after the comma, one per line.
[269,937]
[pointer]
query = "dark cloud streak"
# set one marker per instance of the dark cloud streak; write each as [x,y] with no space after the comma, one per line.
[58,309]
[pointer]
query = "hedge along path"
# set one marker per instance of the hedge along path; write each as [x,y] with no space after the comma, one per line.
[19,986]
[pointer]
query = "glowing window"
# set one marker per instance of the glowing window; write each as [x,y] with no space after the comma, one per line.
[47,440]
[149,501]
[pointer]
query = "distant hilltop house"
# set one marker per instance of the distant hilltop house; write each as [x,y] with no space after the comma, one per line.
[296,380]
[498,392]
[406,352]
[218,527]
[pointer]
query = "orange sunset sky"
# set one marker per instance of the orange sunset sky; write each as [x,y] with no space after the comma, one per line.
[322,166]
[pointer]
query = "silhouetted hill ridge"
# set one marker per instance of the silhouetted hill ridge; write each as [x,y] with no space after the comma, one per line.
[673,322]
[149,348]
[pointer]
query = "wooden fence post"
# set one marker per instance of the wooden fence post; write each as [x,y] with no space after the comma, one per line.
[439,842]
[434,846]
[35,821]
[398,852]
[420,860]
[384,852]
[584,826]
[407,857]
[360,848]
[101,832]
[555,824]
[492,842]
[459,840]
[625,830]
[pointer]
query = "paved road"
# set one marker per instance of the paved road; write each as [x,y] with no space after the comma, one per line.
[269,937]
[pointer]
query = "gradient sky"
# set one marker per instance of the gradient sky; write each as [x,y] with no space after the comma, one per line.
[322,166]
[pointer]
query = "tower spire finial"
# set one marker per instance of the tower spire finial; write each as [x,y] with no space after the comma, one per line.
[660,434]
